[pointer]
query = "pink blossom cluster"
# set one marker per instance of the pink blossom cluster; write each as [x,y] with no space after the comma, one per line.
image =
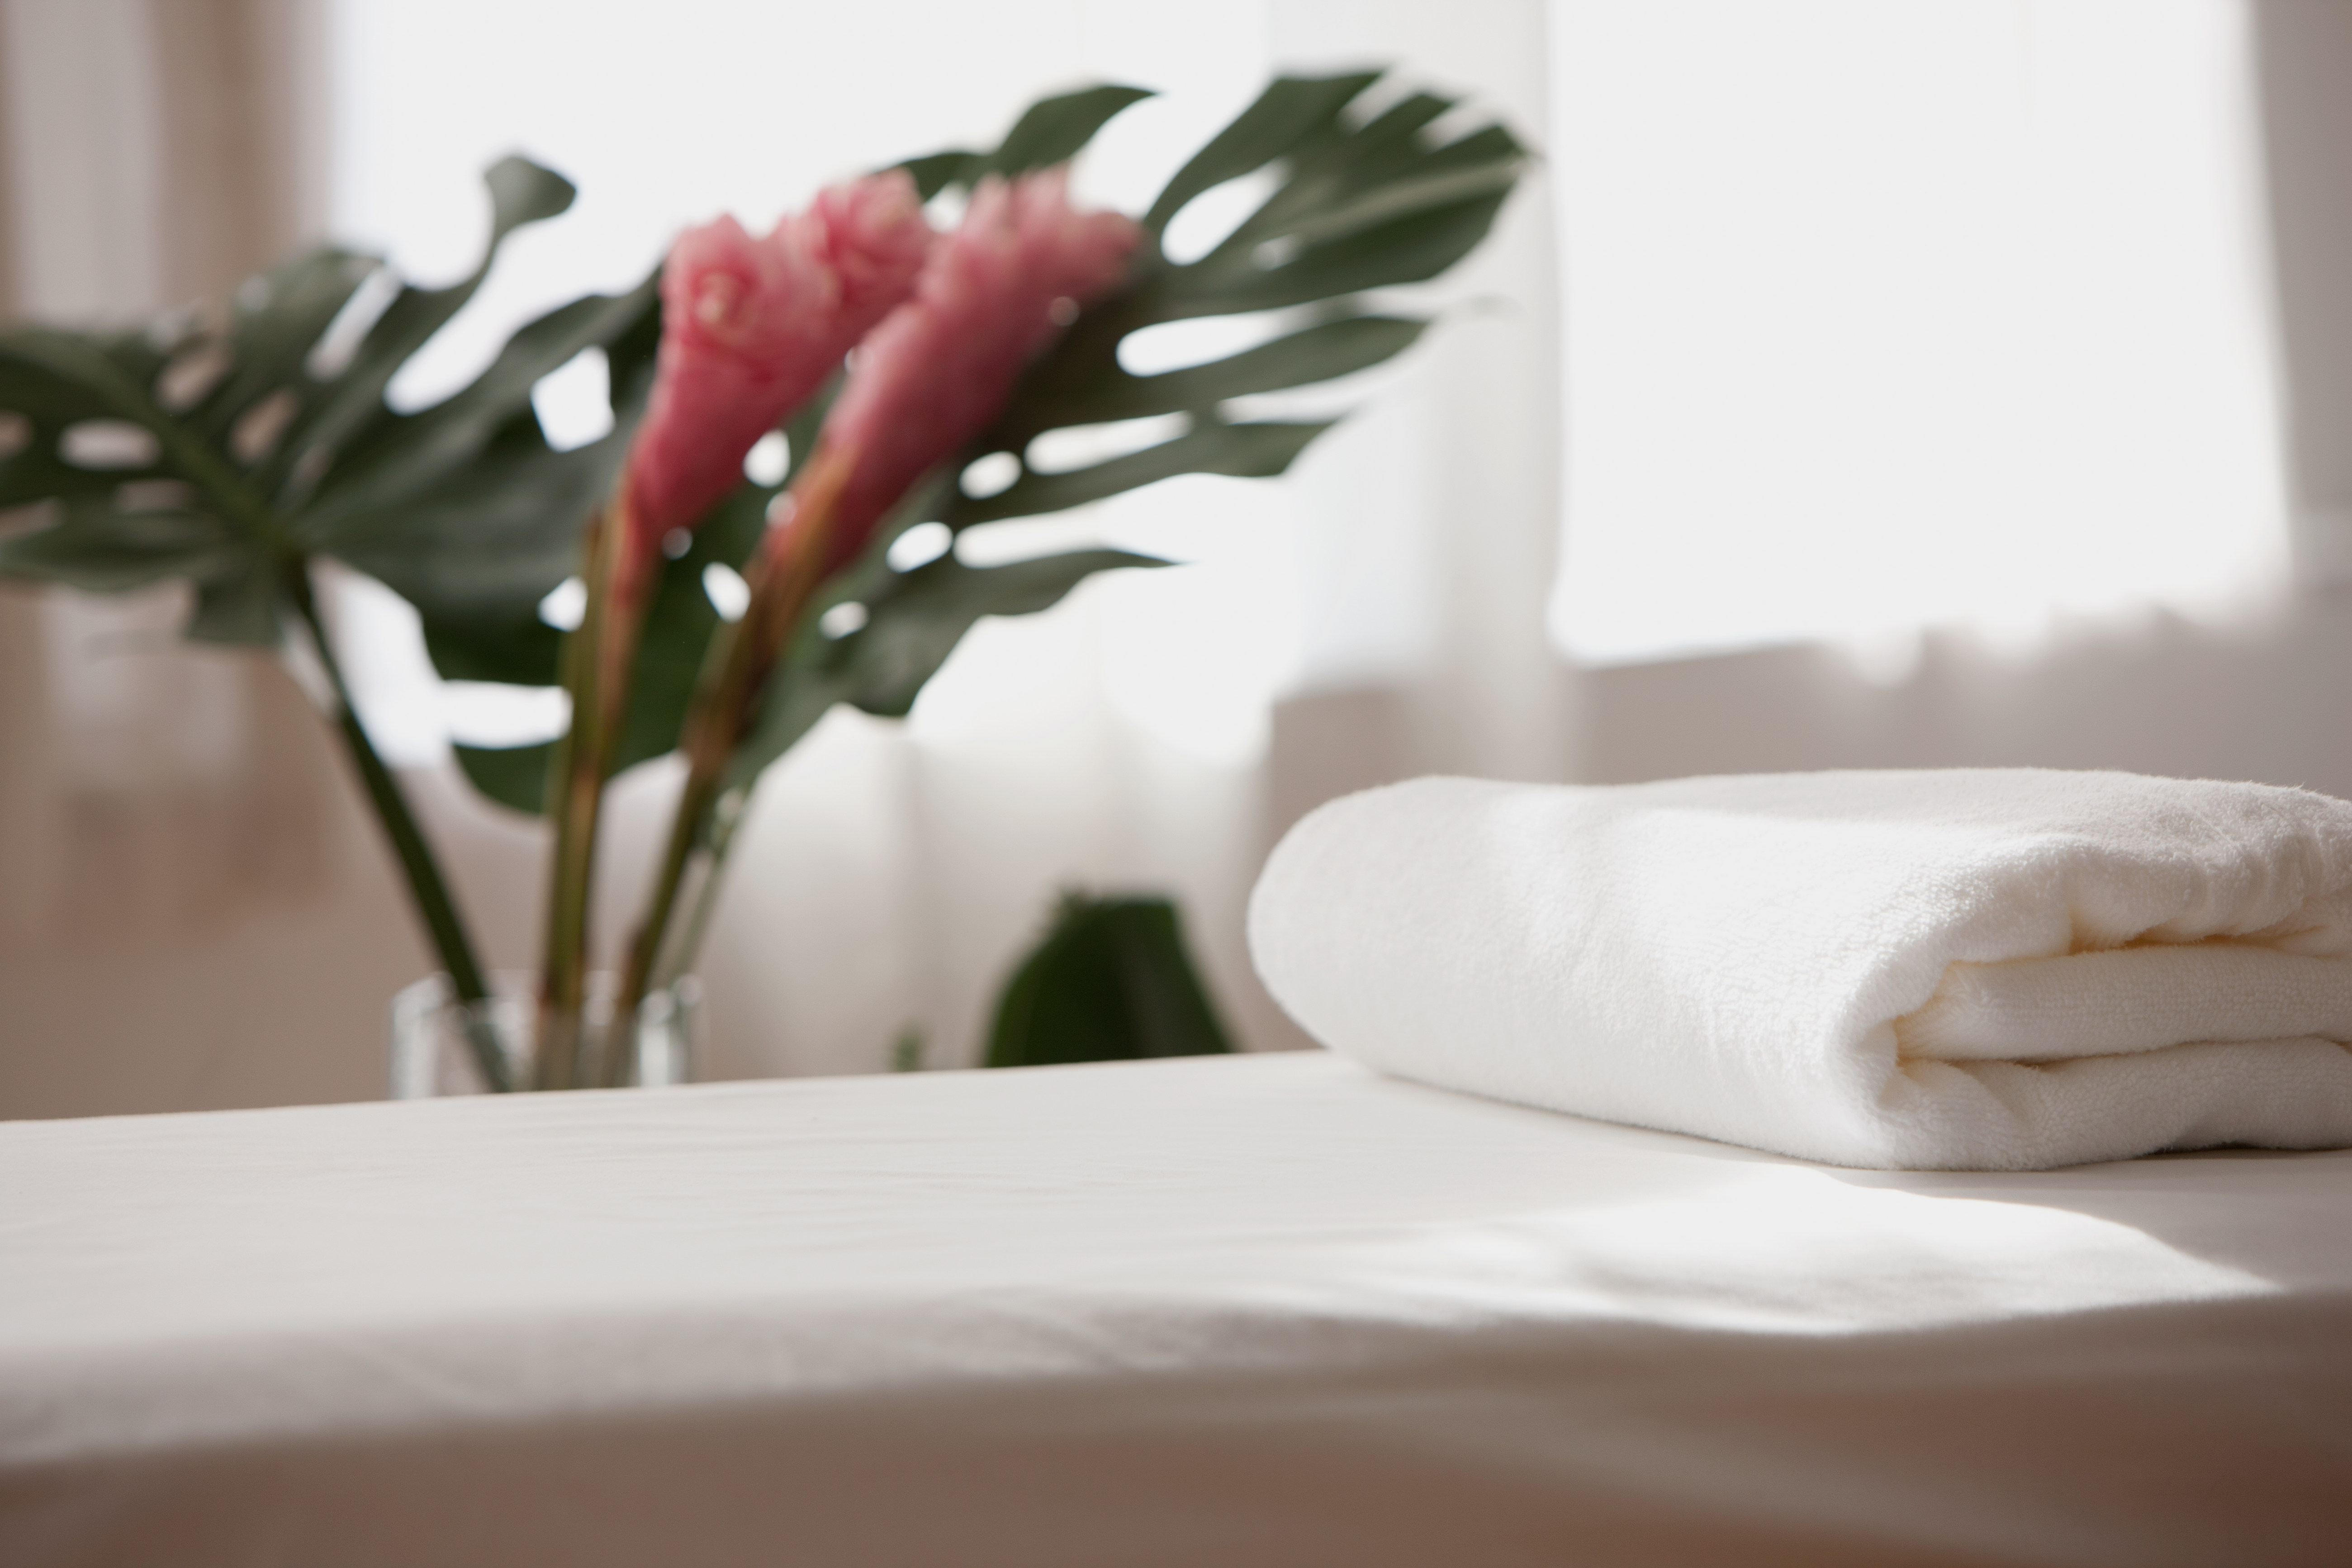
[937,370]
[751,330]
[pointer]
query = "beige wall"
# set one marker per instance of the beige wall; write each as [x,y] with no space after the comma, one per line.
[193,911]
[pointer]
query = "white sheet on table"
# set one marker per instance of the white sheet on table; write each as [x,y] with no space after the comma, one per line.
[1272,1310]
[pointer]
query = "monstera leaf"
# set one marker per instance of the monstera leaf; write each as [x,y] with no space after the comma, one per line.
[232,451]
[1357,203]
[1355,208]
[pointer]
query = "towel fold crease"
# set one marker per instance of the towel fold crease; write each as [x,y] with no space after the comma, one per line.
[1983,969]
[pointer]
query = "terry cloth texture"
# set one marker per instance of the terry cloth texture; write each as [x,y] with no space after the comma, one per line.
[1999,969]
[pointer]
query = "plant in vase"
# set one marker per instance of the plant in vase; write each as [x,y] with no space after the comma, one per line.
[239,451]
[751,331]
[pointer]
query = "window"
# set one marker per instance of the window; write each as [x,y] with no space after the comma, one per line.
[1883,315]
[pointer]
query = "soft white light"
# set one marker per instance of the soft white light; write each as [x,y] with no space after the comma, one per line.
[728,592]
[1179,345]
[1192,655]
[769,460]
[923,543]
[1023,538]
[1889,315]
[840,620]
[480,713]
[1209,218]
[574,402]
[565,605]
[1077,447]
[1770,1234]
[393,682]
[991,475]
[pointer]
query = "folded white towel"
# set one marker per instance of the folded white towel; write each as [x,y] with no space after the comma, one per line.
[1995,969]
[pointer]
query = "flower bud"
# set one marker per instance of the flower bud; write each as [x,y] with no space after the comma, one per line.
[938,368]
[751,330]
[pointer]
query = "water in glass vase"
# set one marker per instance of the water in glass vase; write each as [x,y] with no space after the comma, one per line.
[435,1041]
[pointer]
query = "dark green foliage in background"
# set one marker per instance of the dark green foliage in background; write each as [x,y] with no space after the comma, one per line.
[1111,982]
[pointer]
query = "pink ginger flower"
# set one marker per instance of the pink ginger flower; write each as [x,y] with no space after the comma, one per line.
[751,328]
[937,370]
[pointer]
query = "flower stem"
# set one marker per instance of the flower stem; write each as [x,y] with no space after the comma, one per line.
[726,816]
[713,726]
[426,887]
[734,677]
[596,665]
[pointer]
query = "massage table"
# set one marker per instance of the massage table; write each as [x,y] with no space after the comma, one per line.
[1270,1310]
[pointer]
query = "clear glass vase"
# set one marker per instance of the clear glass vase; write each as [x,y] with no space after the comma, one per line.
[431,1044]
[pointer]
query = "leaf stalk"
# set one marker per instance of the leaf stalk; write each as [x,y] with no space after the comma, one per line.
[428,888]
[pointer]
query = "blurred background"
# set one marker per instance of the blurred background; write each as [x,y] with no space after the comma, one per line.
[1852,382]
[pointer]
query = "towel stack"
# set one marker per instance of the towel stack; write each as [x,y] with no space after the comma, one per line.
[1974,970]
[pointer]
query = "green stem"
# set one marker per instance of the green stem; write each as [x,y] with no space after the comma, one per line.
[562,979]
[686,829]
[575,798]
[734,677]
[426,887]
[726,816]
[599,657]
[700,835]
